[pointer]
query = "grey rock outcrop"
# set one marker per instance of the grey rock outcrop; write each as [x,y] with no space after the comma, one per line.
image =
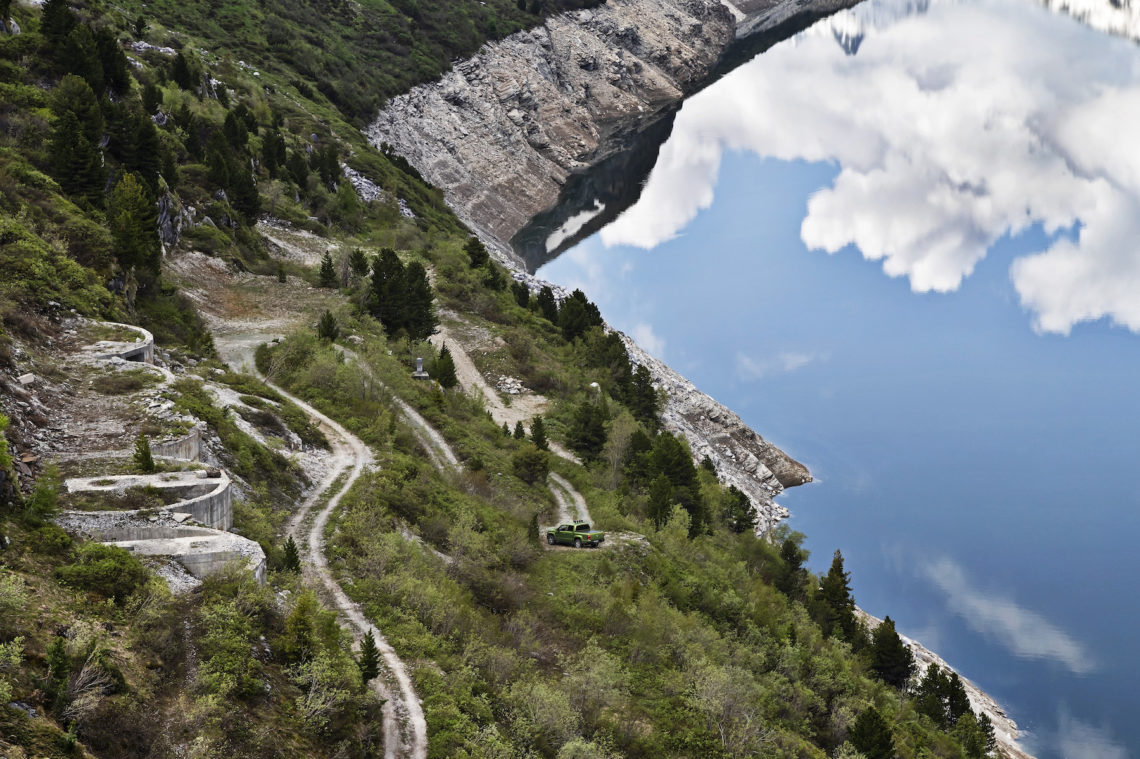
[501,131]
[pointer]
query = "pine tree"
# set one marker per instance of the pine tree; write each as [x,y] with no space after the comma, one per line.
[182,73]
[521,293]
[836,608]
[891,659]
[538,434]
[660,500]
[237,135]
[145,156]
[588,431]
[116,74]
[151,98]
[739,514]
[871,736]
[387,303]
[987,728]
[143,458]
[57,21]
[420,320]
[327,328]
[476,252]
[444,369]
[547,305]
[290,556]
[643,397]
[358,263]
[790,580]
[132,217]
[243,195]
[369,661]
[76,163]
[328,271]
[520,433]
[506,430]
[218,161]
[78,54]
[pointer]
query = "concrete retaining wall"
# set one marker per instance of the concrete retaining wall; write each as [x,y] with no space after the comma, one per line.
[208,501]
[186,448]
[142,350]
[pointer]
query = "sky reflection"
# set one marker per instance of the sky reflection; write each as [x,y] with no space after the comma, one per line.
[942,150]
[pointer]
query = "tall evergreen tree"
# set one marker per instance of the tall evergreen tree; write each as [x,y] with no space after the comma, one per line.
[577,315]
[328,271]
[476,252]
[661,500]
[520,433]
[358,263]
[835,610]
[386,302]
[151,98]
[290,556]
[327,328]
[145,158]
[132,218]
[56,21]
[369,661]
[182,72]
[74,95]
[521,293]
[78,54]
[790,580]
[588,431]
[443,369]
[538,434]
[235,131]
[243,193]
[739,515]
[420,319]
[871,736]
[116,74]
[76,163]
[547,305]
[643,397]
[891,659]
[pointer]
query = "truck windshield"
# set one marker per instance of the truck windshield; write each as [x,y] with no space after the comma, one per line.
[582,528]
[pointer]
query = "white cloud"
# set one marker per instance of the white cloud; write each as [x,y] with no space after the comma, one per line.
[1080,740]
[1026,633]
[950,131]
[749,368]
[644,336]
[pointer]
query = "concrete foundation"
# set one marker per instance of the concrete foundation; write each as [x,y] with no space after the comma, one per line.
[208,500]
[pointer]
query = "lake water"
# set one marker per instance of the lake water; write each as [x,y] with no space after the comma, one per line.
[905,246]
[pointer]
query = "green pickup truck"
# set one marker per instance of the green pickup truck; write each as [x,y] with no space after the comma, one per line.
[578,534]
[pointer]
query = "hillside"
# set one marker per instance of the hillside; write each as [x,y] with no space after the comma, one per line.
[200,171]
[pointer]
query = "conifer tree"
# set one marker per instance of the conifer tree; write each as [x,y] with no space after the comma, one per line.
[78,54]
[386,303]
[243,194]
[520,433]
[739,514]
[151,98]
[116,75]
[327,328]
[369,661]
[237,135]
[182,73]
[76,163]
[59,671]
[444,369]
[132,217]
[506,430]
[57,21]
[420,319]
[547,305]
[538,434]
[290,556]
[328,271]
[587,431]
[476,252]
[643,397]
[891,660]
[836,608]
[145,156]
[74,95]
[532,532]
[142,456]
[871,736]
[358,263]
[790,580]
[660,500]
[521,293]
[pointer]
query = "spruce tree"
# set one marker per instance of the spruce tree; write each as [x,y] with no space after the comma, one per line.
[506,430]
[587,431]
[116,74]
[644,402]
[871,736]
[76,163]
[790,580]
[78,54]
[244,196]
[521,293]
[476,252]
[387,303]
[290,556]
[143,458]
[660,500]
[836,608]
[547,305]
[237,135]
[444,369]
[59,671]
[56,21]
[369,661]
[538,434]
[520,433]
[327,328]
[358,263]
[132,217]
[151,98]
[328,271]
[891,660]
[739,515]
[420,320]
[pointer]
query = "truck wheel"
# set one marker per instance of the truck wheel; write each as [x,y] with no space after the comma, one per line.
[550,539]
[577,542]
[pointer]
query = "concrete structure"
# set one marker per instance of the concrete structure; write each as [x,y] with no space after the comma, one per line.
[141,350]
[186,448]
[208,500]
[201,550]
[419,373]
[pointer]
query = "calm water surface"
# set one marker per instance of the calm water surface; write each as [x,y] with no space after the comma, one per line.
[904,246]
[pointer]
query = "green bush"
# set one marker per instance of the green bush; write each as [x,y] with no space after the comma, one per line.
[109,571]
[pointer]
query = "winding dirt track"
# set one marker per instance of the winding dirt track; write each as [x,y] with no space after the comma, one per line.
[405,729]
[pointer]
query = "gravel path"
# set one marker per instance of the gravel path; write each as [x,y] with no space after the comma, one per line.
[405,729]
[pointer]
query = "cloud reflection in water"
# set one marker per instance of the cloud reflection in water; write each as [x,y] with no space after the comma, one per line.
[951,130]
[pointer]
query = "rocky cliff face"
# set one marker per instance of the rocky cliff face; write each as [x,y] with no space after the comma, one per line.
[502,131]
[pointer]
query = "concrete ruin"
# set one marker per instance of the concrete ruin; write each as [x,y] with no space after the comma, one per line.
[207,499]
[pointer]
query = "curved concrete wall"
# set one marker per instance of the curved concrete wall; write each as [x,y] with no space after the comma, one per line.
[186,448]
[142,350]
[207,500]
